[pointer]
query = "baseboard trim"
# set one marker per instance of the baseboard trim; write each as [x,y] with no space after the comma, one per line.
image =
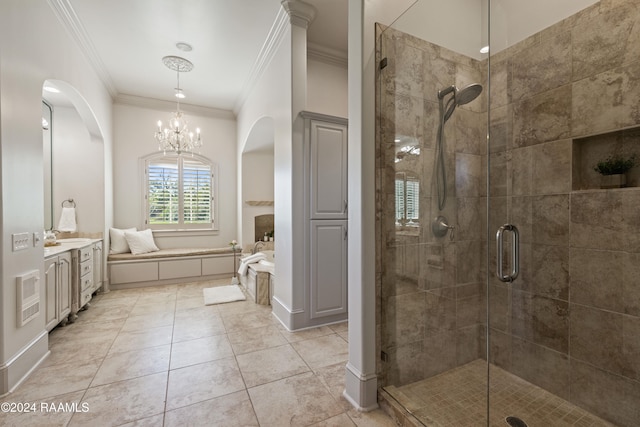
[361,390]
[298,320]
[291,320]
[147,284]
[17,369]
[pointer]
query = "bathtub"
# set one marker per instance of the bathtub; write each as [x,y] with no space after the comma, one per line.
[259,278]
[270,261]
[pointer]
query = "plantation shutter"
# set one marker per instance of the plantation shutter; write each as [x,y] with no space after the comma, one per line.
[196,187]
[413,200]
[179,192]
[163,197]
[399,200]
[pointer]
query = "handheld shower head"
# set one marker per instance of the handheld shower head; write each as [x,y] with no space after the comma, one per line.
[444,92]
[467,93]
[460,97]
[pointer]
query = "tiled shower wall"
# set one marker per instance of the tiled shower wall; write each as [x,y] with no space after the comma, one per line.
[431,289]
[571,322]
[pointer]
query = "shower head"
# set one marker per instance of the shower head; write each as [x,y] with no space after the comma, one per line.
[460,97]
[467,93]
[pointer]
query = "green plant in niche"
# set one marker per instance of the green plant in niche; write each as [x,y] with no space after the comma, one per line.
[614,165]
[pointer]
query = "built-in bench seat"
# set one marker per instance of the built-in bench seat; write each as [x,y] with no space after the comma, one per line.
[168,266]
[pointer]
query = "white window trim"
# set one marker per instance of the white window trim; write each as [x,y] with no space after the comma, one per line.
[174,230]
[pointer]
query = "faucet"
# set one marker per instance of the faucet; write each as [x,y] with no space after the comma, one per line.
[255,247]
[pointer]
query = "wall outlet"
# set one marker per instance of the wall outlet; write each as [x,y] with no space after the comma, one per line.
[20,241]
[37,238]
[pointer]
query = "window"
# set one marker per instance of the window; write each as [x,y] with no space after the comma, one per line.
[179,192]
[407,200]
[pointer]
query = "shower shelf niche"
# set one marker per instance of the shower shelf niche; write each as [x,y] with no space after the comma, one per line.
[589,150]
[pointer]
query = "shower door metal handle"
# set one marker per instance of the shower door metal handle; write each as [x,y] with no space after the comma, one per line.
[515,254]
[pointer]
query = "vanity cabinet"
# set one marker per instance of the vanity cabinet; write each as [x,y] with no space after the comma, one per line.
[57,273]
[87,275]
[97,266]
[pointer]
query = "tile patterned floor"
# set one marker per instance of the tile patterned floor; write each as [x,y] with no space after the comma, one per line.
[158,357]
[457,398]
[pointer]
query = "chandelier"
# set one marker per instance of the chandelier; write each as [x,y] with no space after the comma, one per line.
[176,136]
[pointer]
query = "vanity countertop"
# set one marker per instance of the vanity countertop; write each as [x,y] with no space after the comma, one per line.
[68,244]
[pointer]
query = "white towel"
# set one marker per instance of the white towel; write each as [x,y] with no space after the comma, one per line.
[67,220]
[251,259]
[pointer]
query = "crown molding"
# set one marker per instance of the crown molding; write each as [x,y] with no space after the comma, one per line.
[69,19]
[162,105]
[300,13]
[327,55]
[265,56]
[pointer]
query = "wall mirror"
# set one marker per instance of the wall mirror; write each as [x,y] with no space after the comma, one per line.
[47,145]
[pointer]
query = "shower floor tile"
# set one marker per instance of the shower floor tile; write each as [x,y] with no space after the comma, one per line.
[457,398]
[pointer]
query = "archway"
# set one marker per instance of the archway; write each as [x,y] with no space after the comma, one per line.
[257,181]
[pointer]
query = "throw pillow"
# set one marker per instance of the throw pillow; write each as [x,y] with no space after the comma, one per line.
[141,242]
[119,244]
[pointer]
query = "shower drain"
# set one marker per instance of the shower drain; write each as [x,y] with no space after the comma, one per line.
[515,422]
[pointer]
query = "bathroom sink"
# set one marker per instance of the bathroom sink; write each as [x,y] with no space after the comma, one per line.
[74,240]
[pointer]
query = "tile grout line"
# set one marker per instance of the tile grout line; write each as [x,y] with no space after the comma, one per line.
[128,309]
[166,390]
[86,390]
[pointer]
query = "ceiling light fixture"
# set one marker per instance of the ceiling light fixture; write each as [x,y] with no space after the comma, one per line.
[51,89]
[484,49]
[185,47]
[177,137]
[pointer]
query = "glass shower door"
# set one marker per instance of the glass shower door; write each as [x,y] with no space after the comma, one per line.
[508,268]
[563,336]
[431,143]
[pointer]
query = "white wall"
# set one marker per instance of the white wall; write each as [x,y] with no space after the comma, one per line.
[460,25]
[134,127]
[327,89]
[514,21]
[272,97]
[78,170]
[33,47]
[257,185]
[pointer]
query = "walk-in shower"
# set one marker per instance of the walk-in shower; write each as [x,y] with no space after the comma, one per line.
[542,328]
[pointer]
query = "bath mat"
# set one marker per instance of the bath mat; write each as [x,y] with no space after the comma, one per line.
[222,294]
